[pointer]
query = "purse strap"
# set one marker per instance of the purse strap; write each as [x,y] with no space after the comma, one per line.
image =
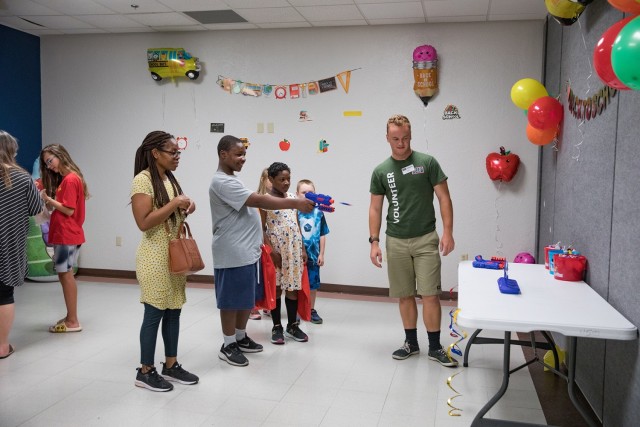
[183,230]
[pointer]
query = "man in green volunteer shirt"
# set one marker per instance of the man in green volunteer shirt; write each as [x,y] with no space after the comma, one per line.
[408,179]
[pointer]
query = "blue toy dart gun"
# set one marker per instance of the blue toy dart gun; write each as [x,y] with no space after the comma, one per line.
[322,201]
[495,263]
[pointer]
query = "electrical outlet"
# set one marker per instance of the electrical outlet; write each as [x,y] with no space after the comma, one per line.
[464,257]
[260,127]
[270,127]
[118,241]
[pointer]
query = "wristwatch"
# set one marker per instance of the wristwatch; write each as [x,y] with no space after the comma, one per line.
[373,239]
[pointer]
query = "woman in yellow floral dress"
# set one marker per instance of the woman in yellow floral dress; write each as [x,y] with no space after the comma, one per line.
[159,208]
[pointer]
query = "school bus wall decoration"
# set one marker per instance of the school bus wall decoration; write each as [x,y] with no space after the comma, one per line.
[172,62]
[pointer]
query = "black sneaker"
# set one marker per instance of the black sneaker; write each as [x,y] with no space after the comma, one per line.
[247,345]
[178,374]
[315,317]
[405,351]
[232,355]
[442,358]
[293,331]
[277,335]
[152,381]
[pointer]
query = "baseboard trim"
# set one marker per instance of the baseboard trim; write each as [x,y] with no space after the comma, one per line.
[208,279]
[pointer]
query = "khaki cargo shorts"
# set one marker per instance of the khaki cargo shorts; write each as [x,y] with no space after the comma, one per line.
[414,265]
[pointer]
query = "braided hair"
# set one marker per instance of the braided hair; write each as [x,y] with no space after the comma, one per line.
[146,161]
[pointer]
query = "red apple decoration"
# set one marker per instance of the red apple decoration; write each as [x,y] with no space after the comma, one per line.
[285,145]
[503,165]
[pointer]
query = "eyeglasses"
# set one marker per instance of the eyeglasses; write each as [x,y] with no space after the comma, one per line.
[174,154]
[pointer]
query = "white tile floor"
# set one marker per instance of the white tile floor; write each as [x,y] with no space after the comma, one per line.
[344,375]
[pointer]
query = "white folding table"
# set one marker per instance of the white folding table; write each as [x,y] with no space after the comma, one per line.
[545,304]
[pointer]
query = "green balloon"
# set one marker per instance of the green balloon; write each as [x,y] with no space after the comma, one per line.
[625,54]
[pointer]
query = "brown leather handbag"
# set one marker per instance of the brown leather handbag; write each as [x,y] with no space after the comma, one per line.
[184,256]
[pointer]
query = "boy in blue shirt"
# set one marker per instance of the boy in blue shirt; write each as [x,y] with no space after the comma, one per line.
[314,228]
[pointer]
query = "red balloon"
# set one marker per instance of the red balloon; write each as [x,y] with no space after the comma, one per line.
[602,55]
[629,6]
[545,113]
[540,136]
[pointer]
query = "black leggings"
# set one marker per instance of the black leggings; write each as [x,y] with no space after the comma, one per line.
[149,332]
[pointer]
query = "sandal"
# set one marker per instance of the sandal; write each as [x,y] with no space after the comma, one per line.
[61,327]
[11,350]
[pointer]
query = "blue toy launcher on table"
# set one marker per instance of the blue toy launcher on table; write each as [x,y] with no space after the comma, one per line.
[506,285]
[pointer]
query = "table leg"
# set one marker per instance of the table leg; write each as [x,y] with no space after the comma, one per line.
[571,367]
[477,421]
[465,361]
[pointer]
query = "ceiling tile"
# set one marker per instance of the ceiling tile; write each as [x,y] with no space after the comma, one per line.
[162,19]
[178,28]
[235,26]
[380,1]
[456,8]
[227,16]
[297,3]
[301,24]
[25,8]
[124,6]
[75,7]
[442,19]
[110,21]
[328,13]
[517,7]
[392,10]
[59,22]
[191,5]
[131,30]
[254,4]
[339,23]
[396,21]
[270,14]
[18,23]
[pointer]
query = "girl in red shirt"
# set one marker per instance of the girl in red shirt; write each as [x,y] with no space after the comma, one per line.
[65,192]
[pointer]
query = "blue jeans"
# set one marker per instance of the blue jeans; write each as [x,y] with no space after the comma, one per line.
[149,332]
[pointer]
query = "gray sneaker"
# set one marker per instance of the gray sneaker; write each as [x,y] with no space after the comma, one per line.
[179,374]
[293,331]
[405,351]
[152,381]
[247,345]
[442,358]
[232,355]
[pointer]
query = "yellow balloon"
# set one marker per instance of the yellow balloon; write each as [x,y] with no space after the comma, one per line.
[564,8]
[525,91]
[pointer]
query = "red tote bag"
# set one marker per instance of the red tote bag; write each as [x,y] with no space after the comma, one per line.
[268,280]
[304,297]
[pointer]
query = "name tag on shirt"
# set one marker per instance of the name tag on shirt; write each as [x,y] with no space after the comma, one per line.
[408,169]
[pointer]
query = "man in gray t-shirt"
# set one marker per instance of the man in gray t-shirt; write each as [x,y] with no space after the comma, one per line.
[237,236]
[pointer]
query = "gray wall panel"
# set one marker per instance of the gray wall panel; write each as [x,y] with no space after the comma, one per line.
[622,373]
[589,198]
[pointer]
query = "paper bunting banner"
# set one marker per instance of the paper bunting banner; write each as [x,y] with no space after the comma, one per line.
[327,84]
[182,142]
[281,90]
[345,79]
[587,109]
